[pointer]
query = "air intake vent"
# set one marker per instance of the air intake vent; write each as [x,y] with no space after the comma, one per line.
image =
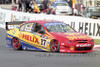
[81,41]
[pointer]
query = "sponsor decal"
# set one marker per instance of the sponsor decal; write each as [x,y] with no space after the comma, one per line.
[83,45]
[78,37]
[43,40]
[29,38]
[72,33]
[53,23]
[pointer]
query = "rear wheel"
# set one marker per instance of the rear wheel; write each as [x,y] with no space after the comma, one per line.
[16,44]
[54,46]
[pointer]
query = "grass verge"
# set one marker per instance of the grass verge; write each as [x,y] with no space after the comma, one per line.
[97,41]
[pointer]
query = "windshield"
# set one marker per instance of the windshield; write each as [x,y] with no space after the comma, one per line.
[95,9]
[58,27]
[61,4]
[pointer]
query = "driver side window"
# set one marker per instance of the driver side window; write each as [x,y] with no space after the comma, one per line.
[38,28]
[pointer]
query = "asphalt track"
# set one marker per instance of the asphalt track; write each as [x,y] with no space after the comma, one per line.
[12,58]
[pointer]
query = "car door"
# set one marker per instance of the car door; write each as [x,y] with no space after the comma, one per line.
[39,32]
[32,37]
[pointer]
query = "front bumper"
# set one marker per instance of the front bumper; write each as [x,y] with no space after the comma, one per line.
[74,51]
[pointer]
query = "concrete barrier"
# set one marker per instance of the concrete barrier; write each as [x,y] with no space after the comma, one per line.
[88,26]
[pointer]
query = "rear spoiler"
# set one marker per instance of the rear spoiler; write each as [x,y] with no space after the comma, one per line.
[12,25]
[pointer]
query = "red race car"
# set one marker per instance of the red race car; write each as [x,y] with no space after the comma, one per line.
[53,36]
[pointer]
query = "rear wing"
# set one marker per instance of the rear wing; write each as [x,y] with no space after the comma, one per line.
[12,25]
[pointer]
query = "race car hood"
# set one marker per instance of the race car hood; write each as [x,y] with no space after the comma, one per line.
[70,36]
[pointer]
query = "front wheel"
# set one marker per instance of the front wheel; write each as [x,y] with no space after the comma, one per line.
[16,44]
[54,46]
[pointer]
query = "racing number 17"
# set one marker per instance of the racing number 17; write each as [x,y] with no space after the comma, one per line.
[43,42]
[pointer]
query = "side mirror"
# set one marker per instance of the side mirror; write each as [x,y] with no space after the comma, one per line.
[42,32]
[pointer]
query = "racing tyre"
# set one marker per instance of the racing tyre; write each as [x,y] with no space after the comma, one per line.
[16,44]
[54,46]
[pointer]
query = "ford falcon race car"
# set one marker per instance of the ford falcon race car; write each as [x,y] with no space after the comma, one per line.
[52,36]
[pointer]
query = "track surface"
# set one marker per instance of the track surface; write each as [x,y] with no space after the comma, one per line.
[12,58]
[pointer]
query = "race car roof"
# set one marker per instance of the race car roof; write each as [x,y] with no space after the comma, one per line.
[43,21]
